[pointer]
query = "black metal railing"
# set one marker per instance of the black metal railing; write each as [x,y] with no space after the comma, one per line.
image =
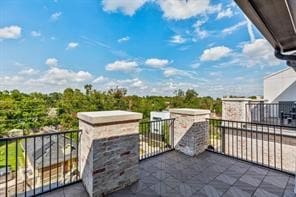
[156,137]
[272,146]
[34,164]
[283,113]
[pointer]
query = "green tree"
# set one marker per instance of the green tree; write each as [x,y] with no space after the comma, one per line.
[88,88]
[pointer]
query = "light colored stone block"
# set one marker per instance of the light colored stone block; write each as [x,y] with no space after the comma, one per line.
[190,130]
[109,158]
[234,109]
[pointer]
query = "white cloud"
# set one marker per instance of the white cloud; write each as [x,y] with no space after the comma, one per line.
[29,72]
[125,6]
[35,33]
[134,85]
[7,81]
[123,39]
[172,9]
[10,32]
[72,45]
[198,30]
[168,87]
[137,83]
[225,13]
[239,78]
[59,76]
[156,63]
[195,65]
[215,74]
[230,30]
[214,8]
[183,9]
[169,72]
[215,53]
[100,79]
[122,65]
[55,16]
[174,72]
[259,53]
[52,62]
[51,80]
[250,31]
[177,39]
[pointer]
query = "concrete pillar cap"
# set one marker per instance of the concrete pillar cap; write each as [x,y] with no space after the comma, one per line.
[188,111]
[100,117]
[237,99]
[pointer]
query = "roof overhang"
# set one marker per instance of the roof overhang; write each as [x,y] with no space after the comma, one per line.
[276,20]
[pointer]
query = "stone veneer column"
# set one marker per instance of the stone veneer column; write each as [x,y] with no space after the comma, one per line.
[235,109]
[109,150]
[190,130]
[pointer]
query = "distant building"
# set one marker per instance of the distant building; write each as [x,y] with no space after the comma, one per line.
[158,127]
[280,86]
[50,156]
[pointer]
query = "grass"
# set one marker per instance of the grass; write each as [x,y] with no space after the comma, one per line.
[11,155]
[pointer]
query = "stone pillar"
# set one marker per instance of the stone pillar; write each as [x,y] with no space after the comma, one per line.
[235,109]
[109,150]
[190,130]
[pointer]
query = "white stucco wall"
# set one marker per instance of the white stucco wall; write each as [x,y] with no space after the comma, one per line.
[162,115]
[280,86]
[156,126]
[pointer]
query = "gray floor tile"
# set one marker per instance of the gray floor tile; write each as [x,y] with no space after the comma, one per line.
[185,189]
[278,181]
[199,194]
[220,186]
[236,192]
[263,193]
[162,189]
[226,179]
[146,192]
[245,186]
[211,191]
[176,175]
[57,193]
[271,188]
[253,180]
[289,193]
[255,170]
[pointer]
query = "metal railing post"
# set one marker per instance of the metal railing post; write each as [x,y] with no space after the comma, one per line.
[223,140]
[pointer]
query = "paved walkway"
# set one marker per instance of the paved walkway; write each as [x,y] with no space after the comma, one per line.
[174,174]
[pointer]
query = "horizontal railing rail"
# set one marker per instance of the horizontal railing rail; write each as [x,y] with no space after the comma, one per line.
[156,137]
[35,164]
[272,146]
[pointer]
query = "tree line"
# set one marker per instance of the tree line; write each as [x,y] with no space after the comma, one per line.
[33,111]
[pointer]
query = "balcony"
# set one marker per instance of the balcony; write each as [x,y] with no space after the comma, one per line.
[283,113]
[209,174]
[115,153]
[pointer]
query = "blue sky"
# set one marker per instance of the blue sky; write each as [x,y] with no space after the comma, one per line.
[150,47]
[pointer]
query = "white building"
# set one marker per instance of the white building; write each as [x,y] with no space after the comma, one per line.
[157,126]
[280,86]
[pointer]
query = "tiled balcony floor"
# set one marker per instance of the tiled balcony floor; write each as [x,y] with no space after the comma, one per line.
[174,174]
